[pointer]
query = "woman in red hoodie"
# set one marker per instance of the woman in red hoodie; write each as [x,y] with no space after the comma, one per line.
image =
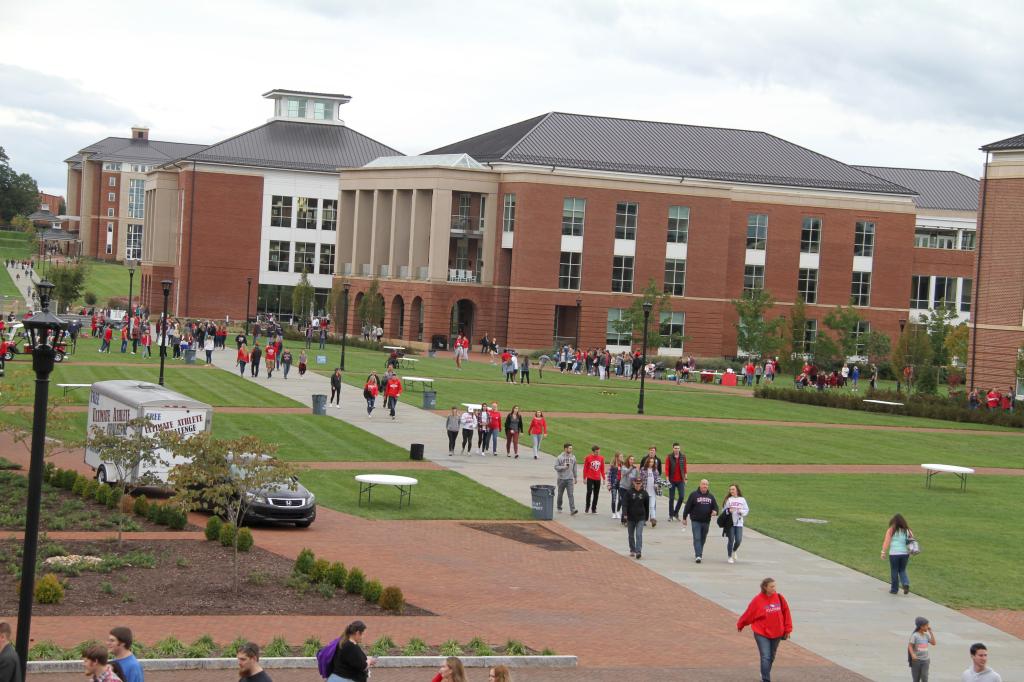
[769,618]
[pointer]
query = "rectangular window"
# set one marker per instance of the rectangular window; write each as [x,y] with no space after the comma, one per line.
[810,335]
[296,108]
[678,224]
[945,293]
[305,213]
[280,211]
[279,256]
[110,213]
[967,241]
[327,259]
[673,327]
[625,220]
[864,239]
[859,330]
[329,221]
[807,285]
[112,181]
[110,239]
[810,235]
[111,196]
[675,277]
[133,243]
[140,168]
[321,111]
[136,198]
[612,335]
[573,211]
[919,292]
[925,239]
[757,231]
[622,274]
[305,257]
[508,214]
[465,202]
[112,166]
[482,212]
[965,295]
[753,278]
[569,265]
[860,289]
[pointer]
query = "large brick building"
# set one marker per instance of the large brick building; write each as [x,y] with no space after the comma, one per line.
[998,326]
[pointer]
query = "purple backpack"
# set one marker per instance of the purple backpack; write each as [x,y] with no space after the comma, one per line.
[325,657]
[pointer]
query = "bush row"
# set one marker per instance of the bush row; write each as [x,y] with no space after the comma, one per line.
[226,533]
[915,405]
[90,489]
[329,576]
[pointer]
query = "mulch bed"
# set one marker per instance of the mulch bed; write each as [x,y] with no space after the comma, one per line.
[192,577]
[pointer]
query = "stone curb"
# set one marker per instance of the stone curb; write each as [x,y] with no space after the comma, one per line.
[293,662]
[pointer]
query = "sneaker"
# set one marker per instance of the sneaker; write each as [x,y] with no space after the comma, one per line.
[654,523]
[731,560]
[698,560]
[450,453]
[632,554]
[577,511]
[736,555]
[559,510]
[535,457]
[614,515]
[638,556]
[906,589]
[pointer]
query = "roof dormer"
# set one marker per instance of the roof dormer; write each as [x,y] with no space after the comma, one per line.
[308,107]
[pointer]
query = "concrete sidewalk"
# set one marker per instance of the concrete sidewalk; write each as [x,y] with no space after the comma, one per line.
[839,614]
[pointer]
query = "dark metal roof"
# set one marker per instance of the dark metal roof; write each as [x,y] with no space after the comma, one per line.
[297,146]
[43,216]
[1015,142]
[52,235]
[133,150]
[935,188]
[667,149]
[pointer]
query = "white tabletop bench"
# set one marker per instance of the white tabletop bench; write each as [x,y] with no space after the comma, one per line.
[883,402]
[419,380]
[406,360]
[959,472]
[368,481]
[70,387]
[395,348]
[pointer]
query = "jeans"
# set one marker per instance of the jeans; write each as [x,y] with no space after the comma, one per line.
[524,375]
[766,647]
[370,402]
[654,507]
[241,368]
[467,439]
[536,444]
[635,533]
[919,670]
[898,571]
[285,367]
[512,442]
[335,396]
[494,441]
[735,539]
[593,491]
[255,368]
[622,498]
[566,485]
[209,357]
[614,492]
[673,503]
[392,403]
[700,535]
[452,436]
[338,678]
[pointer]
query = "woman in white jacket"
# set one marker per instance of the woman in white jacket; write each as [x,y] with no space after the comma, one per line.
[736,505]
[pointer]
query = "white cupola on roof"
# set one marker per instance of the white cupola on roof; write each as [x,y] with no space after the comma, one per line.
[307,107]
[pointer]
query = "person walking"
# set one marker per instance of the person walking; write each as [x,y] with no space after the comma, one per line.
[699,508]
[336,388]
[979,670]
[119,644]
[350,663]
[736,506]
[303,359]
[635,512]
[538,430]
[451,670]
[392,389]
[242,358]
[918,649]
[627,472]
[147,341]
[565,468]
[370,390]
[524,369]
[459,340]
[675,472]
[649,473]
[254,359]
[270,358]
[483,428]
[451,427]
[594,475]
[513,427]
[614,472]
[10,665]
[249,668]
[897,539]
[95,660]
[286,362]
[769,617]
[494,428]
[209,343]
[467,422]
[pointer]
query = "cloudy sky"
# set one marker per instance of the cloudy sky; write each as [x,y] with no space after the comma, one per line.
[910,83]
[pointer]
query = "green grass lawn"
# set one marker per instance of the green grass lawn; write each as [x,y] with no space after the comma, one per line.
[760,444]
[439,495]
[309,438]
[107,280]
[968,557]
[12,245]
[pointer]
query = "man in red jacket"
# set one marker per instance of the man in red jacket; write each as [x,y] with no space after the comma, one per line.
[769,618]
[675,472]
[593,474]
[392,389]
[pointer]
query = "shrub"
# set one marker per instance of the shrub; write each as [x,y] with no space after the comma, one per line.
[277,647]
[154,511]
[141,505]
[415,647]
[383,646]
[355,581]
[114,498]
[227,534]
[68,479]
[102,494]
[450,648]
[257,578]
[244,539]
[49,590]
[311,646]
[304,562]
[90,490]
[231,650]
[127,504]
[170,647]
[326,590]
[204,647]
[515,648]
[176,519]
[80,484]
[371,593]
[336,574]
[48,471]
[213,526]
[479,647]
[320,570]
[391,599]
[548,651]
[46,651]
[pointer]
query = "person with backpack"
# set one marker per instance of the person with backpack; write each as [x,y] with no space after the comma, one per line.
[343,659]
[918,655]
[734,511]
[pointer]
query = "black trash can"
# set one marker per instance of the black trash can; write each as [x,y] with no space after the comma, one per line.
[416,451]
[320,404]
[190,356]
[429,400]
[543,502]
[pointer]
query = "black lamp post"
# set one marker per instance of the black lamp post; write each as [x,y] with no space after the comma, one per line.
[45,330]
[248,293]
[131,315]
[643,367]
[344,324]
[579,310]
[903,325]
[166,284]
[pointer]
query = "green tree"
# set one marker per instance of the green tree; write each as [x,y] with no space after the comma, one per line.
[827,353]
[877,346]
[939,324]
[336,303]
[797,329]
[23,223]
[371,307]
[755,334]
[632,321]
[956,343]
[225,476]
[19,193]
[843,320]
[132,454]
[913,349]
[68,282]
[302,297]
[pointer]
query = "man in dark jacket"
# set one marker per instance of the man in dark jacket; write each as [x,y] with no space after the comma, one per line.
[254,358]
[675,472]
[10,666]
[636,509]
[700,507]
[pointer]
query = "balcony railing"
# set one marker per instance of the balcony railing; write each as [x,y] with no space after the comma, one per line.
[465,276]
[467,223]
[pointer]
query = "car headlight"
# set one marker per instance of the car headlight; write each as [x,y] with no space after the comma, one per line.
[311,499]
[256,497]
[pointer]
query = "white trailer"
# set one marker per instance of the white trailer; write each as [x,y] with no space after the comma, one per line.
[114,403]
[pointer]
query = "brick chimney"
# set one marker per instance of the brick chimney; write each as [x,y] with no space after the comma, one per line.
[139,133]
